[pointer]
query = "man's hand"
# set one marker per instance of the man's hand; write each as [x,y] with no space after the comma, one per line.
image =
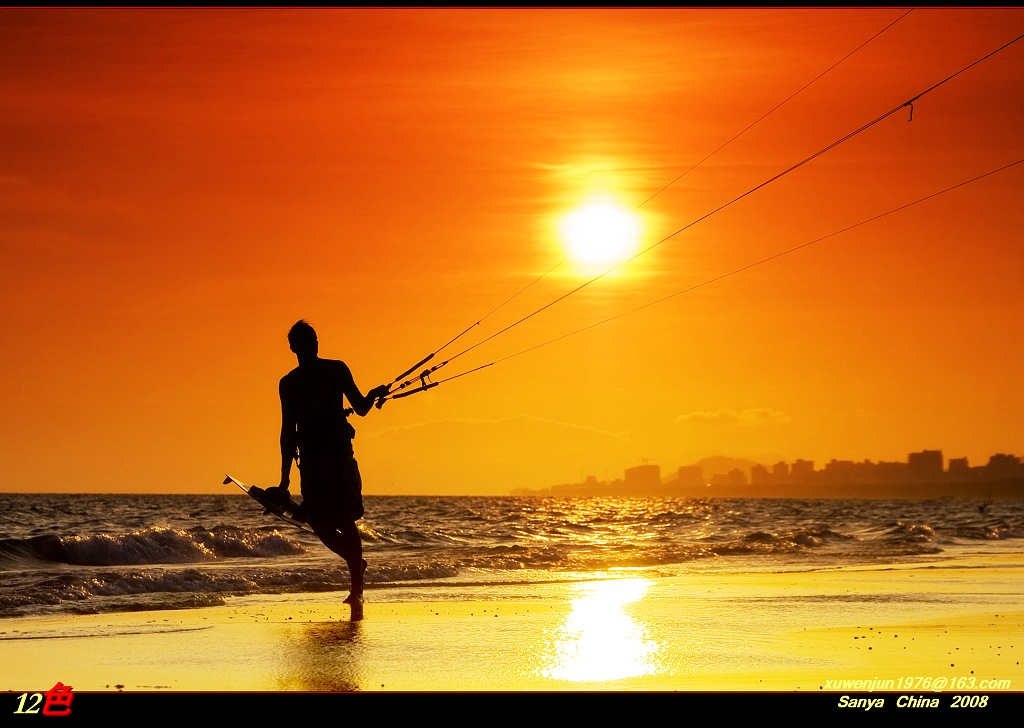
[379,393]
[278,495]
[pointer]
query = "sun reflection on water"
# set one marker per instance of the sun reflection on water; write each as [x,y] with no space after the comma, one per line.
[599,641]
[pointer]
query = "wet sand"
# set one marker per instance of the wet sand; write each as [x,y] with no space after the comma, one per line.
[931,629]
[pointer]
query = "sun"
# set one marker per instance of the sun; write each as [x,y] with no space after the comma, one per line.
[600,234]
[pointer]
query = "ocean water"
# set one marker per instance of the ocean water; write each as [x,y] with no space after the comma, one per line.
[86,554]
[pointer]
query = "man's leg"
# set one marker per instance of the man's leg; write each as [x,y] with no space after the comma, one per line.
[354,548]
[344,540]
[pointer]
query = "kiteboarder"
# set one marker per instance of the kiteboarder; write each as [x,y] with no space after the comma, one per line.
[316,433]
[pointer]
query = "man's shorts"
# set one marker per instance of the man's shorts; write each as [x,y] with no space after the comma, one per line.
[332,489]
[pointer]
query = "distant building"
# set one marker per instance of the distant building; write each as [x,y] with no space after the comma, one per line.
[802,471]
[734,478]
[839,472]
[892,473]
[760,476]
[926,464]
[643,476]
[1004,466]
[958,467]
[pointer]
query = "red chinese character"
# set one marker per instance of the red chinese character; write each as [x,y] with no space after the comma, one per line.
[58,700]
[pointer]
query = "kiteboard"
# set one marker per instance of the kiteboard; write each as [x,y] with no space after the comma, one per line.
[289,513]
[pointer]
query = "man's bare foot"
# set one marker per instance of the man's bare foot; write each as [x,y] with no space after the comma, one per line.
[357,611]
[355,597]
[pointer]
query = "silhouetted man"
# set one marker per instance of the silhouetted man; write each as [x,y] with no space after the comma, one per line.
[315,431]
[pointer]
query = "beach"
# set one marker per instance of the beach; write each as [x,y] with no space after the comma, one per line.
[926,629]
[163,604]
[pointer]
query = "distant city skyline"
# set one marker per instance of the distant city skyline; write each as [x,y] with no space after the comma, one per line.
[927,469]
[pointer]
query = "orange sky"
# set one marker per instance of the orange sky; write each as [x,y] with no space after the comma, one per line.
[177,187]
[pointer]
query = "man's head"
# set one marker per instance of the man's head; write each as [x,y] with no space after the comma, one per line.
[302,339]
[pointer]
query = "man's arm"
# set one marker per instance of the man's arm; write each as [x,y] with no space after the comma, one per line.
[288,439]
[360,403]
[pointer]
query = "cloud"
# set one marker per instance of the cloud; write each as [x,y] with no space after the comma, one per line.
[753,417]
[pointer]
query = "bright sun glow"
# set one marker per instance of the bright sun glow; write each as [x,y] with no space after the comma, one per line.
[600,234]
[599,641]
